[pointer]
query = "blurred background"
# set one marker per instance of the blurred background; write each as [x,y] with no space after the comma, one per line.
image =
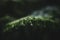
[11,10]
[20,8]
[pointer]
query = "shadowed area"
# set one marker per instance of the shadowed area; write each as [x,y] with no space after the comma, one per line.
[29,19]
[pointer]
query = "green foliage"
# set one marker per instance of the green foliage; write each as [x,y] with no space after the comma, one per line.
[4,20]
[7,19]
[40,22]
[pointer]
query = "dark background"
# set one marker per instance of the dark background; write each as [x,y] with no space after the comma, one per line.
[23,8]
[18,9]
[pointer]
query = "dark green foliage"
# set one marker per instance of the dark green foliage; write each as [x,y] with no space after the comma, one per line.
[27,28]
[4,20]
[32,23]
[30,28]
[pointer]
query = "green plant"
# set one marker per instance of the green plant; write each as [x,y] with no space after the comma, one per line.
[31,22]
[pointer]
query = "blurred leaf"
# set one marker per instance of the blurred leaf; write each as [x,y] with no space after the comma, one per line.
[29,20]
